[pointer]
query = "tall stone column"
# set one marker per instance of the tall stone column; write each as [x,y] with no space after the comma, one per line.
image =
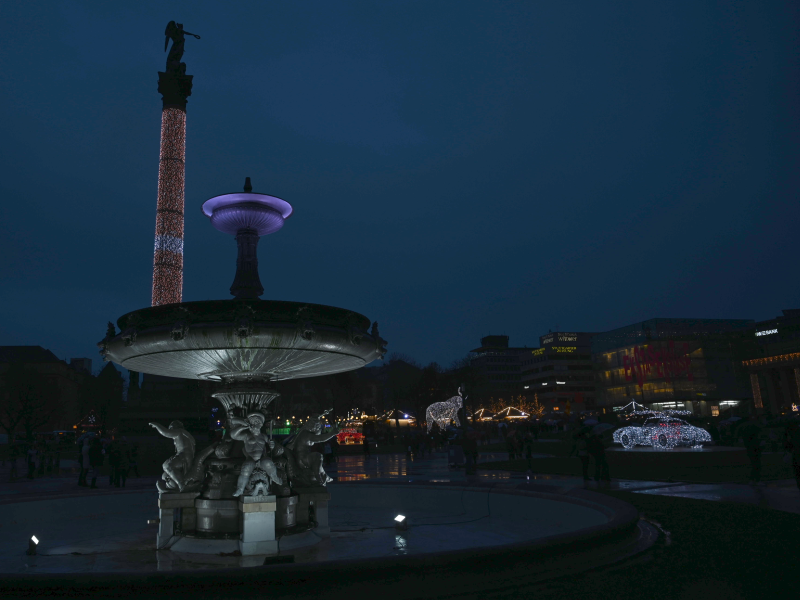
[175,88]
[773,397]
[786,392]
[797,381]
[756,391]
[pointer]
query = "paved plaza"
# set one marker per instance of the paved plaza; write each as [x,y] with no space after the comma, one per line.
[780,495]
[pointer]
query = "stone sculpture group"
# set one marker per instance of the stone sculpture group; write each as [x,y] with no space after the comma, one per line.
[265,466]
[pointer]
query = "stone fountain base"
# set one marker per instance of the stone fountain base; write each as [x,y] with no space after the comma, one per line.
[251,525]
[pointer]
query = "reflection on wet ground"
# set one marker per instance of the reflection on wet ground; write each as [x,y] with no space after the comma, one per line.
[433,468]
[779,495]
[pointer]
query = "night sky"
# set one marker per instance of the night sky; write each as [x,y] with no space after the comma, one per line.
[457,169]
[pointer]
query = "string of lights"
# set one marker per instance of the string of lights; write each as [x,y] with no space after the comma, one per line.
[756,390]
[168,249]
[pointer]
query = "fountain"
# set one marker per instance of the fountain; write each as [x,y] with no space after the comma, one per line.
[245,490]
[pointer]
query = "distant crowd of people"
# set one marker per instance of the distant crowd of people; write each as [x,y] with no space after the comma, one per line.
[122,460]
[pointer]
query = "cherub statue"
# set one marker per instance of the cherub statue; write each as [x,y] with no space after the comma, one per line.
[305,466]
[184,471]
[176,33]
[248,430]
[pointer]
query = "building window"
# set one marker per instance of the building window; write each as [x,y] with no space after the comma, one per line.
[715,411]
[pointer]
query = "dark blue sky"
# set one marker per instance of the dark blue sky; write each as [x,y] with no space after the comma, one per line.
[457,168]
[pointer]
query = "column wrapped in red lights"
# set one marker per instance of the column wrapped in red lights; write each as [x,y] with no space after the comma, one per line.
[168,252]
[175,88]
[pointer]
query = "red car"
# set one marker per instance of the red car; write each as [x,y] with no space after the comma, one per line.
[350,436]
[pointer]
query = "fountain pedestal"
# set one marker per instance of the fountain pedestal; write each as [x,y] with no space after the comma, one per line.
[257,525]
[176,514]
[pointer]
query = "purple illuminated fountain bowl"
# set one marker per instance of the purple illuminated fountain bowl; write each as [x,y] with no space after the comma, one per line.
[231,213]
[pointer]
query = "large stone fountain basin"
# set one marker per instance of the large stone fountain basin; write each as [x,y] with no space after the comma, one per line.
[222,339]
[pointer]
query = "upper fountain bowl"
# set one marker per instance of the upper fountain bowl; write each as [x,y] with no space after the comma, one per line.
[230,213]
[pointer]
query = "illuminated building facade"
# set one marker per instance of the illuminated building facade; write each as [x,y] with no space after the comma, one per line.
[775,368]
[691,364]
[175,88]
[560,372]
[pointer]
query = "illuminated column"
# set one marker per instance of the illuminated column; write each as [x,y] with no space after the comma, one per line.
[168,252]
[797,380]
[773,396]
[785,391]
[756,391]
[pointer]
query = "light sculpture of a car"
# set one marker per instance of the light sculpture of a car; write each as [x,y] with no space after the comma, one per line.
[349,436]
[662,433]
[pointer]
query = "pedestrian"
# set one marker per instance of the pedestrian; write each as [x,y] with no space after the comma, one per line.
[114,460]
[95,460]
[31,454]
[135,459]
[750,434]
[528,444]
[84,462]
[713,432]
[12,457]
[124,461]
[365,443]
[511,447]
[41,452]
[335,450]
[581,448]
[470,447]
[773,439]
[597,449]
[791,443]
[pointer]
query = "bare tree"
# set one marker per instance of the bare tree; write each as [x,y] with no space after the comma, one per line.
[27,398]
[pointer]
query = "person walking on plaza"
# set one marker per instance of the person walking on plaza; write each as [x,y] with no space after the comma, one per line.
[528,443]
[750,434]
[114,459]
[31,454]
[582,451]
[84,462]
[791,443]
[12,457]
[124,462]
[135,459]
[366,447]
[597,449]
[95,460]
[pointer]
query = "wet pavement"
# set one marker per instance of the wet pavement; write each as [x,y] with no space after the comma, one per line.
[779,495]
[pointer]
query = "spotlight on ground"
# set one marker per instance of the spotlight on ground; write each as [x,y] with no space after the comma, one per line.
[32,543]
[400,523]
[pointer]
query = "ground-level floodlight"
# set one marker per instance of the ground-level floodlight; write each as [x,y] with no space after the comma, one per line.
[400,523]
[32,543]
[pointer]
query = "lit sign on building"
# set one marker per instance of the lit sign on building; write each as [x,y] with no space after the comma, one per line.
[667,363]
[561,382]
[538,352]
[558,337]
[767,332]
[563,349]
